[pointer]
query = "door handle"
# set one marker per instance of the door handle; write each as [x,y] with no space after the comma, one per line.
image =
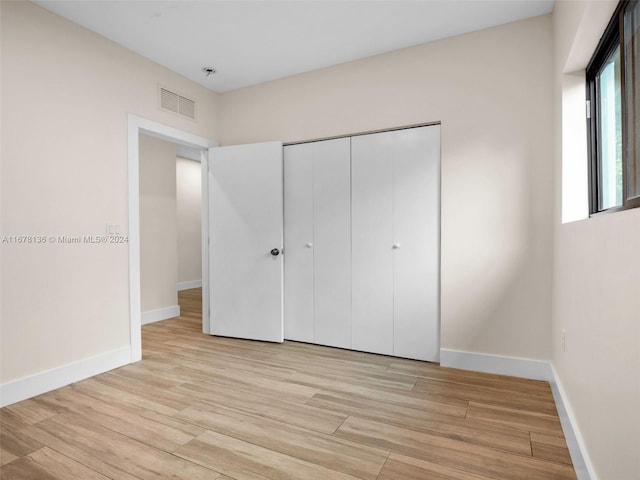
[275,252]
[309,245]
[396,246]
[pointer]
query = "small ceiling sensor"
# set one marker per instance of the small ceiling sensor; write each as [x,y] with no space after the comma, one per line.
[208,71]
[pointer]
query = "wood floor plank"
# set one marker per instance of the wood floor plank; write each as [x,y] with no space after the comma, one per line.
[531,421]
[146,390]
[458,454]
[430,421]
[25,469]
[323,363]
[435,372]
[401,467]
[28,411]
[301,415]
[149,390]
[6,456]
[47,464]
[366,360]
[237,378]
[485,394]
[334,453]
[112,454]
[300,360]
[218,361]
[138,373]
[164,433]
[378,381]
[406,398]
[13,443]
[245,461]
[120,395]
[16,443]
[285,364]
[353,404]
[10,420]
[550,448]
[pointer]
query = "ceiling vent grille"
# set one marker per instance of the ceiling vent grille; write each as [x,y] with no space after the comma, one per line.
[177,103]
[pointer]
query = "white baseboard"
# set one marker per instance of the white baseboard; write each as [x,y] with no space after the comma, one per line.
[577,448]
[190,284]
[27,387]
[160,314]
[498,364]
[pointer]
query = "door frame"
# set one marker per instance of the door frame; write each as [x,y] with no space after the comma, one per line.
[136,126]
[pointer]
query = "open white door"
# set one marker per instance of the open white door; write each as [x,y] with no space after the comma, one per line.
[245,250]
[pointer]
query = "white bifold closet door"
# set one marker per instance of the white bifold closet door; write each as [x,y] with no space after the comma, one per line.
[396,242]
[317,260]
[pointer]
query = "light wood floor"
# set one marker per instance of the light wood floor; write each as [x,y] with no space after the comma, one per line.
[199,407]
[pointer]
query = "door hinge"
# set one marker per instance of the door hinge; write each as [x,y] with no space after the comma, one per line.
[588,109]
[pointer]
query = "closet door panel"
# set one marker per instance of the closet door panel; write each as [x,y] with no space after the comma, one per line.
[417,239]
[298,232]
[371,242]
[332,242]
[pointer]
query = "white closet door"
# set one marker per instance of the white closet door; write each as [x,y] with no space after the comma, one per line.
[372,242]
[417,239]
[332,242]
[298,242]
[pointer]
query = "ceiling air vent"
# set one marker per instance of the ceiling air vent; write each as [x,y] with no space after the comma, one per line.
[177,103]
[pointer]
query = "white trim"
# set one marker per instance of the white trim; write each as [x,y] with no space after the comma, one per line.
[133,162]
[159,314]
[190,284]
[498,364]
[188,153]
[36,384]
[205,156]
[577,448]
[137,125]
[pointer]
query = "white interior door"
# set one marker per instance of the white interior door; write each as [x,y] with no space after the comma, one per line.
[246,228]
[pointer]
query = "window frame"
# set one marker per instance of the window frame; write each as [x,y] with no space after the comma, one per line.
[612,38]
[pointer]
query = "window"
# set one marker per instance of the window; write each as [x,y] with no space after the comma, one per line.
[613,94]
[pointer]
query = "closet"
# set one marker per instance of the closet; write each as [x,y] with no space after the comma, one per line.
[362,242]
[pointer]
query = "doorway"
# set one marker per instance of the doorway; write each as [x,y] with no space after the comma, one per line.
[184,140]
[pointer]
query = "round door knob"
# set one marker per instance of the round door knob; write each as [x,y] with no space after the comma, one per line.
[275,252]
[309,245]
[396,245]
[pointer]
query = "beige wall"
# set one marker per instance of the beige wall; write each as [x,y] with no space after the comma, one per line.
[189,199]
[596,295]
[158,224]
[492,92]
[65,97]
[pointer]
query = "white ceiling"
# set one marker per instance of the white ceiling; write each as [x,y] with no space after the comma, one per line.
[251,42]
